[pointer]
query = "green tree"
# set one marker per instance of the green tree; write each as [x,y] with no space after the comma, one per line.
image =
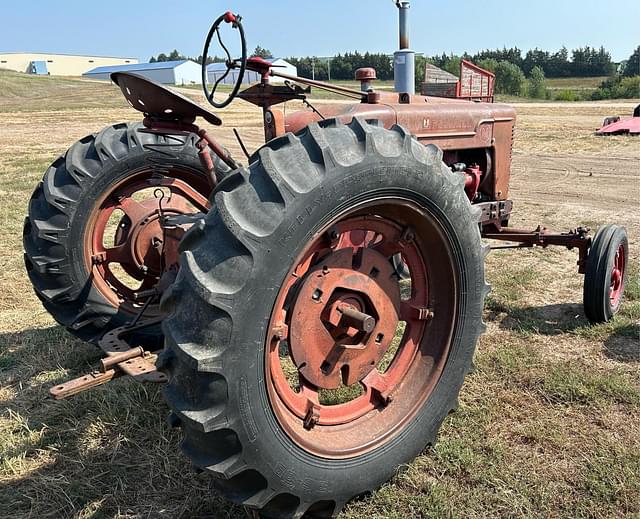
[262,53]
[632,68]
[537,88]
[489,64]
[453,65]
[509,79]
[175,56]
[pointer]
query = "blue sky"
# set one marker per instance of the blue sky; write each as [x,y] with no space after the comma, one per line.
[322,27]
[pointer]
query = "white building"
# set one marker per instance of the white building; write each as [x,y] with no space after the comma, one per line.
[216,70]
[57,64]
[184,72]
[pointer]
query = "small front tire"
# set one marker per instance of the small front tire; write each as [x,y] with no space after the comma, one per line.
[605,274]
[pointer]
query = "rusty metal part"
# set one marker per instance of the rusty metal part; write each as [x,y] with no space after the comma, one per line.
[170,127]
[241,143]
[219,150]
[473,175]
[344,318]
[616,286]
[349,266]
[350,92]
[135,241]
[273,124]
[81,384]
[140,367]
[158,102]
[366,76]
[495,213]
[266,95]
[542,237]
[452,125]
[117,358]
[121,360]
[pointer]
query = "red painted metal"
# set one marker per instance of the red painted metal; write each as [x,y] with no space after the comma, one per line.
[475,83]
[617,278]
[347,270]
[366,76]
[542,237]
[158,102]
[325,346]
[135,242]
[473,175]
[630,126]
[321,322]
[452,125]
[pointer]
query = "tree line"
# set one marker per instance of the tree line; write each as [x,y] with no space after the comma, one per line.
[516,74]
[581,62]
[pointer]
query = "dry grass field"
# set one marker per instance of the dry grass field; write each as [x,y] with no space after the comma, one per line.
[549,421]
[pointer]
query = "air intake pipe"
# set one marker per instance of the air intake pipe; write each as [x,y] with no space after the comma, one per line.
[404,60]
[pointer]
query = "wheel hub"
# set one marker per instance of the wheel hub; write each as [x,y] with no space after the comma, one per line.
[144,238]
[344,317]
[136,245]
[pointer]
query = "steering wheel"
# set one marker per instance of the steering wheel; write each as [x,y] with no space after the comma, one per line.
[231,63]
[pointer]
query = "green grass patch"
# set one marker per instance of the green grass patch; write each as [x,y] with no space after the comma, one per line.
[610,476]
[577,384]
[622,325]
[632,283]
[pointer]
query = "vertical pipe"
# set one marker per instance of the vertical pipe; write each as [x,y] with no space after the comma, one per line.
[404,59]
[403,7]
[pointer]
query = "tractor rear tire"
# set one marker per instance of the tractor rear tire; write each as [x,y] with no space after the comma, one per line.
[605,274]
[54,235]
[219,335]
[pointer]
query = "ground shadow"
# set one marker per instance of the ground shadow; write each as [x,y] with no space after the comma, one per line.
[102,453]
[624,344]
[553,319]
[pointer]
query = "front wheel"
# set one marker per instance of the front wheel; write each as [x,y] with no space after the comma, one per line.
[606,273]
[303,369]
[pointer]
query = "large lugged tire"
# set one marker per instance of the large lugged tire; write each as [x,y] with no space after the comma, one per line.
[280,234]
[605,273]
[119,161]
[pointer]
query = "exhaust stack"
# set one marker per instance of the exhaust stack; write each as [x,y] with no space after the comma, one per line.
[404,60]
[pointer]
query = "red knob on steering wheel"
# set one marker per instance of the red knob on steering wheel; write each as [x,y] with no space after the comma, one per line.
[239,63]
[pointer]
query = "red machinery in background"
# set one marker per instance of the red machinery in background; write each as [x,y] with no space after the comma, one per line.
[473,84]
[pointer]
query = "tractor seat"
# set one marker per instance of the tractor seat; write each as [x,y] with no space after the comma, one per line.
[158,102]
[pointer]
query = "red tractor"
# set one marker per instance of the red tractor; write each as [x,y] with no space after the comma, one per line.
[313,311]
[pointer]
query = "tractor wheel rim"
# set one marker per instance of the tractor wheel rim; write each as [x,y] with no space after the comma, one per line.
[616,286]
[124,230]
[335,412]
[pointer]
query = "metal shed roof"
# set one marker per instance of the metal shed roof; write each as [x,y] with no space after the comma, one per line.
[161,65]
